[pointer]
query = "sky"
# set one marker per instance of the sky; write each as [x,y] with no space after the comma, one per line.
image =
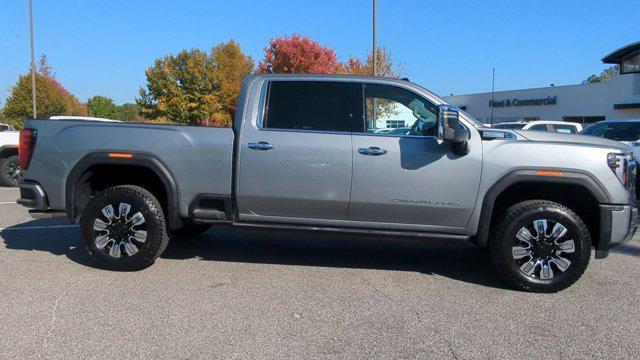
[450,47]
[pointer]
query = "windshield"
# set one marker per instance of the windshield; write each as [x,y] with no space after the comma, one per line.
[508,126]
[620,131]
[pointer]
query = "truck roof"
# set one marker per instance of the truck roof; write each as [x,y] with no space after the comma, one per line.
[330,76]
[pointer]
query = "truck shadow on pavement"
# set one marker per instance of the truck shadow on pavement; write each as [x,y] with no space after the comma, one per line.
[460,262]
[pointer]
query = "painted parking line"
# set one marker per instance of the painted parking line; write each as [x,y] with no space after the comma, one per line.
[7,202]
[39,227]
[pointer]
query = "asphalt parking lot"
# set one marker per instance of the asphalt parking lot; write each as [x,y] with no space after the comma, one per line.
[231,294]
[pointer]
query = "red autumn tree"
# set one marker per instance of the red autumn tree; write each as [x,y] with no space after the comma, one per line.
[298,54]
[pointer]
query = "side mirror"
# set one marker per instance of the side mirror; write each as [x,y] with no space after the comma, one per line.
[450,130]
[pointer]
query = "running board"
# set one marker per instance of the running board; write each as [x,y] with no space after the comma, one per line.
[208,215]
[46,214]
[211,208]
[446,238]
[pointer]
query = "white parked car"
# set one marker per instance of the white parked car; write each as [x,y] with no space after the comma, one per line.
[542,125]
[624,130]
[10,170]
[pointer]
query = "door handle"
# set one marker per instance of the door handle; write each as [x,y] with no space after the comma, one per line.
[260,146]
[372,151]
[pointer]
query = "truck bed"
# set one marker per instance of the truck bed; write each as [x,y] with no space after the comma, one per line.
[199,159]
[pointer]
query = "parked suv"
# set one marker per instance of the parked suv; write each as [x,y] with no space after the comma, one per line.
[303,155]
[626,131]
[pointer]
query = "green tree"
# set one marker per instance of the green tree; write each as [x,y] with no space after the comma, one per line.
[195,87]
[128,112]
[51,97]
[101,106]
[604,75]
[230,66]
[180,87]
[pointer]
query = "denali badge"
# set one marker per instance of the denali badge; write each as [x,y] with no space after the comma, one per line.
[427,202]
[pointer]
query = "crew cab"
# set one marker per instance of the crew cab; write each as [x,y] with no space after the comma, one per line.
[304,155]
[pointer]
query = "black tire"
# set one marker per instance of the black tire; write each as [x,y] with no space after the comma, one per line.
[141,201]
[190,230]
[8,168]
[505,247]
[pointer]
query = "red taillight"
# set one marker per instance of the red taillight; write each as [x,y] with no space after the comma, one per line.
[25,150]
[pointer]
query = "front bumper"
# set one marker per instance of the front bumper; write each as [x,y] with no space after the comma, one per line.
[618,225]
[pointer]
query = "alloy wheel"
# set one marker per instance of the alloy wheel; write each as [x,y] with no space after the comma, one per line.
[13,172]
[114,233]
[544,249]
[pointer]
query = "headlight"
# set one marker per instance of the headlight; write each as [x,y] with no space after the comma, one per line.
[624,166]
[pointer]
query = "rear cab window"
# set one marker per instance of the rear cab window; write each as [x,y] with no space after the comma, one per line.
[308,106]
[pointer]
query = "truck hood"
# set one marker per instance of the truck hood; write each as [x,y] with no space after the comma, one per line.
[573,139]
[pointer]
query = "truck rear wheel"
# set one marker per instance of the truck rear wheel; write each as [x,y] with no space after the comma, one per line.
[123,228]
[10,171]
[540,246]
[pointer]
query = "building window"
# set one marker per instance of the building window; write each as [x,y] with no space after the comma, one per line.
[583,119]
[631,63]
[497,120]
[394,124]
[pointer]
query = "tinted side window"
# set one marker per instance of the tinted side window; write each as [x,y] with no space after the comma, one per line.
[509,126]
[629,131]
[595,130]
[308,105]
[538,127]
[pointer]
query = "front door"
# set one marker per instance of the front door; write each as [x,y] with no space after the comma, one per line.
[401,173]
[295,160]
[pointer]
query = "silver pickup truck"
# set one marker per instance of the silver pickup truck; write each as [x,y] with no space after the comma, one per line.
[311,153]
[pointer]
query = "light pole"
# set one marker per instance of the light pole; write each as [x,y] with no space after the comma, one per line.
[33,62]
[375,35]
[493,87]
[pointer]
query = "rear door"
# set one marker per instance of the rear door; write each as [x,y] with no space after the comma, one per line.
[295,157]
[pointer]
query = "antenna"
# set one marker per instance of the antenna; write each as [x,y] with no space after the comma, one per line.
[493,87]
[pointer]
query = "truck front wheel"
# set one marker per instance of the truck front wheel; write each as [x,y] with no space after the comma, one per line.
[123,228]
[540,246]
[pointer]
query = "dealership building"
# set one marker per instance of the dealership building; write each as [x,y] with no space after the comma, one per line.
[584,103]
